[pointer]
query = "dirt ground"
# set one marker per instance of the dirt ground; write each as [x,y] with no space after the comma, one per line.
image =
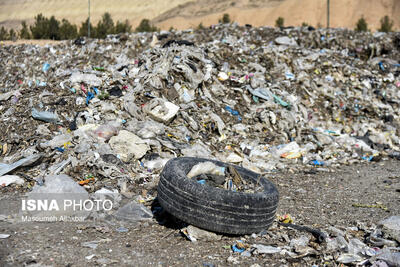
[314,198]
[33,42]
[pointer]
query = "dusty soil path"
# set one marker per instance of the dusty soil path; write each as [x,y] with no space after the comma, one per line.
[318,199]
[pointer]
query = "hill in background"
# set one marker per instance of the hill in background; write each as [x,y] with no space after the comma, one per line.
[183,14]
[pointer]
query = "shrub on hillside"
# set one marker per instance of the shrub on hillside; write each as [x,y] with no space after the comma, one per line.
[53,29]
[386,24]
[361,25]
[24,33]
[45,28]
[40,29]
[145,26]
[225,19]
[280,22]
[3,34]
[104,26]
[83,30]
[12,35]
[67,30]
[123,27]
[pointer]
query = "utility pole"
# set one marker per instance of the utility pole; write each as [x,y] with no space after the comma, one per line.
[89,20]
[327,13]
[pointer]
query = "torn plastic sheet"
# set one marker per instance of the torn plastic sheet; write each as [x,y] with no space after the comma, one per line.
[6,168]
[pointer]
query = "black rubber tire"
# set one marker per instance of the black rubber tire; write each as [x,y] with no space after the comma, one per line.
[213,208]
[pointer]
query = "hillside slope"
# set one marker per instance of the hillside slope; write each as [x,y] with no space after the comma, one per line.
[183,14]
[344,13]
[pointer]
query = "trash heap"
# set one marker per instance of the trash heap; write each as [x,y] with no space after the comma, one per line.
[117,109]
[110,113]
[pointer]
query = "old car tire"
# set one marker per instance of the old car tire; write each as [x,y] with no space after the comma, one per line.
[213,208]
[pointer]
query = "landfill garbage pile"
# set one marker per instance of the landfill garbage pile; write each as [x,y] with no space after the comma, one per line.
[111,113]
[115,110]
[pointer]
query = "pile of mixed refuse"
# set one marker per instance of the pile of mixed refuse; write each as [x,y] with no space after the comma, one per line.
[110,113]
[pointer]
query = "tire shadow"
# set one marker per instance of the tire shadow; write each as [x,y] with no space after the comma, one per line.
[170,221]
[166,219]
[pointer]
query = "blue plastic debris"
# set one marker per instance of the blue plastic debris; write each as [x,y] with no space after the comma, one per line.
[317,162]
[46,67]
[201,181]
[233,112]
[289,76]
[41,84]
[231,186]
[367,158]
[235,247]
[381,66]
[96,90]
[332,132]
[60,149]
[89,97]
[280,101]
